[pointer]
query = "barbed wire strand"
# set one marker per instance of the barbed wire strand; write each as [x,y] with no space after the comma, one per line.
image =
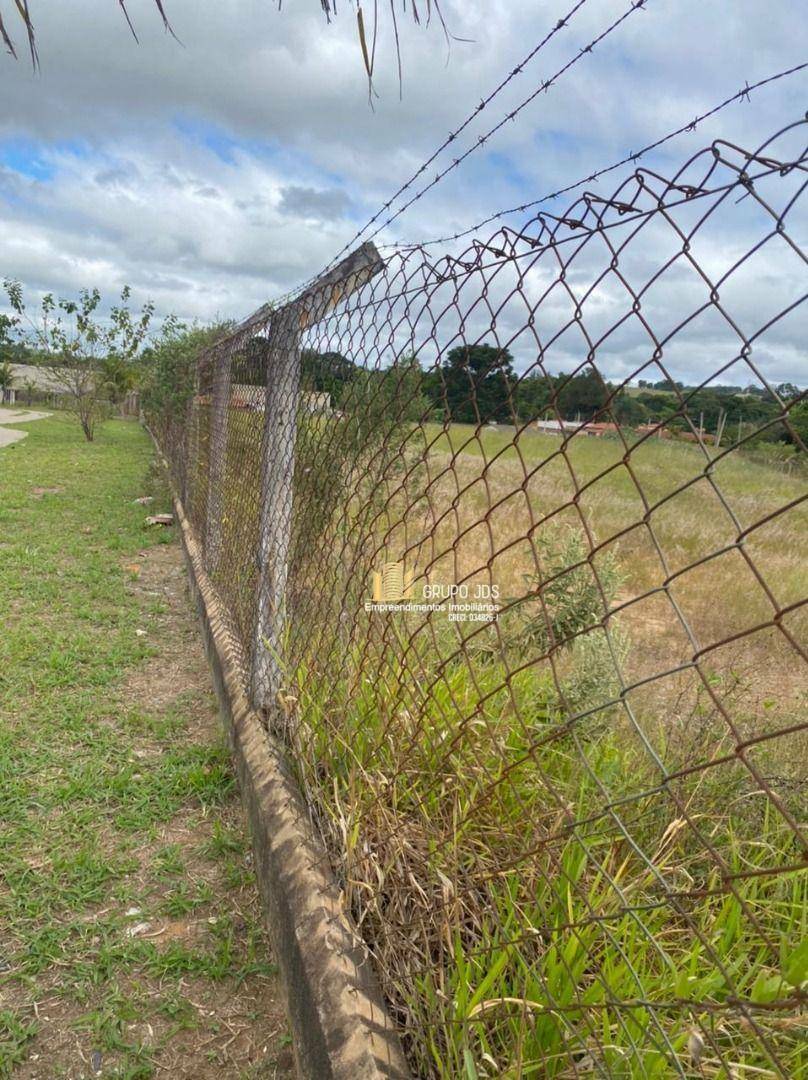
[544,86]
[630,158]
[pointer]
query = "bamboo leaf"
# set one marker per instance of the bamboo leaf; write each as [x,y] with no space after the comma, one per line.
[9,44]
[360,20]
[25,15]
[128,20]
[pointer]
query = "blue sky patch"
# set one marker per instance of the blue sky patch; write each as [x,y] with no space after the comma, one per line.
[26,157]
[34,158]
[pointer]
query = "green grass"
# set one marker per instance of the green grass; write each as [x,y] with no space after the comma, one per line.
[82,810]
[516,933]
[464,780]
[542,897]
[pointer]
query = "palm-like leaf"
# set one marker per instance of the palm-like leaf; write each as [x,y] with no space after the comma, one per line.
[23,11]
[329,8]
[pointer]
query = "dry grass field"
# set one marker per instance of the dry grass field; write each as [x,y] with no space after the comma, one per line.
[702,555]
[570,838]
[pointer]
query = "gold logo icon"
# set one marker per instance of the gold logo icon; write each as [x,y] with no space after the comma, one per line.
[392,584]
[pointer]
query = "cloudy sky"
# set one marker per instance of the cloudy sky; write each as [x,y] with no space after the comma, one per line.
[217,173]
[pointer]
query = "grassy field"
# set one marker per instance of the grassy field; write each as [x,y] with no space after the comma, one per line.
[502,823]
[130,939]
[660,518]
[567,860]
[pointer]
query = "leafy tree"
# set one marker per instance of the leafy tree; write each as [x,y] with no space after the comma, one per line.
[249,363]
[167,367]
[7,324]
[628,410]
[532,394]
[798,423]
[477,382]
[405,387]
[117,377]
[76,345]
[326,373]
[585,394]
[788,391]
[6,376]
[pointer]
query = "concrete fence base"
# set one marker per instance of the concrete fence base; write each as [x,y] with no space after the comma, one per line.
[340,1025]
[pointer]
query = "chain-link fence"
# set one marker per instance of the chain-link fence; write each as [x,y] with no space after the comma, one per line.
[514,543]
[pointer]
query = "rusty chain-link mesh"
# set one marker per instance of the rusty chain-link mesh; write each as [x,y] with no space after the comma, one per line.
[571,835]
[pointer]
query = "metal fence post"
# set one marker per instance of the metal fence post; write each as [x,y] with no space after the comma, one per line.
[190,491]
[220,408]
[190,444]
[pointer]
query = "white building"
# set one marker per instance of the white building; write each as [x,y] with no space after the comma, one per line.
[31,378]
[557,427]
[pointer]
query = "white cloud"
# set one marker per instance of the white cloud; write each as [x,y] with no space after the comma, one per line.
[214,175]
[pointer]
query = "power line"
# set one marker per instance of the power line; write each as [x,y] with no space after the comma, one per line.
[631,157]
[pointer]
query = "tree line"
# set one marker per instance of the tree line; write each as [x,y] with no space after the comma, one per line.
[476,384]
[94,361]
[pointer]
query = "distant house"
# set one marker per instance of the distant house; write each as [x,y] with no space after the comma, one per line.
[556,427]
[564,427]
[653,429]
[253,399]
[602,428]
[699,435]
[31,381]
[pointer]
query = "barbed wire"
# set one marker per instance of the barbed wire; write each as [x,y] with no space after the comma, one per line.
[631,158]
[481,140]
[512,74]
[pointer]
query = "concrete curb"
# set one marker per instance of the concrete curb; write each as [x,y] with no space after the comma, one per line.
[339,1021]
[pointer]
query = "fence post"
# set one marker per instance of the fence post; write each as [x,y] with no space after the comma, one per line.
[191,448]
[275,521]
[278,458]
[220,409]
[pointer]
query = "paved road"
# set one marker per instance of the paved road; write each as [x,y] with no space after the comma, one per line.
[16,416]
